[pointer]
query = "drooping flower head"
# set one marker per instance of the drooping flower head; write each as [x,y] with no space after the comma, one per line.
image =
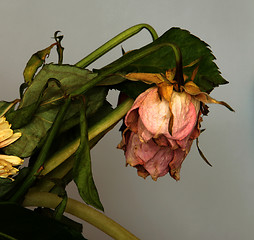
[6,138]
[162,124]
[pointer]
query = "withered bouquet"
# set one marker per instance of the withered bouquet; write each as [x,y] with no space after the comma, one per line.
[164,88]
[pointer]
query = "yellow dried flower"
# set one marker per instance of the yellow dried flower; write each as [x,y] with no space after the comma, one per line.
[6,138]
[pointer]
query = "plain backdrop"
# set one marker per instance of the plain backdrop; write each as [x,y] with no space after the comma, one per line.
[207,203]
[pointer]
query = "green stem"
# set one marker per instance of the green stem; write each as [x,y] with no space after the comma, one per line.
[127,60]
[179,65]
[114,42]
[105,123]
[82,211]
[43,154]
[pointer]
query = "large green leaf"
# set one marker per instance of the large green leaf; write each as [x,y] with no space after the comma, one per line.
[70,78]
[82,170]
[192,48]
[20,223]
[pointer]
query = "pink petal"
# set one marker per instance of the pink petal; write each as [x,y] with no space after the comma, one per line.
[185,115]
[154,113]
[158,166]
[147,151]
[176,163]
[132,116]
[133,145]
[143,133]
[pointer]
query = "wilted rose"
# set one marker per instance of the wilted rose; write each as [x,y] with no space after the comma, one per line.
[147,142]
[161,126]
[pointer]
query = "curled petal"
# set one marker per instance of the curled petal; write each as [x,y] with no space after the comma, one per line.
[7,137]
[193,89]
[5,134]
[148,78]
[6,168]
[14,137]
[132,116]
[13,160]
[5,165]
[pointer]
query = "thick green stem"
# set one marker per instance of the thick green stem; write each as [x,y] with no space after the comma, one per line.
[82,211]
[43,154]
[114,42]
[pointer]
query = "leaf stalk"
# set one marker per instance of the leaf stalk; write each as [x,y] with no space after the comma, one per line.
[114,42]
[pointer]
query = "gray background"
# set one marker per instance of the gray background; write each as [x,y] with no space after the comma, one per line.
[208,203]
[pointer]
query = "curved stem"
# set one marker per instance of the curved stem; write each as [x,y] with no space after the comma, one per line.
[114,42]
[82,211]
[127,60]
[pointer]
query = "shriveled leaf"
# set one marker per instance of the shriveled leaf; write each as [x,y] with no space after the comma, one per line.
[192,89]
[59,47]
[35,62]
[193,50]
[70,78]
[82,170]
[21,223]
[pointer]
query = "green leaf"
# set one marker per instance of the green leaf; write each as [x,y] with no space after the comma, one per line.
[82,170]
[20,223]
[192,48]
[27,112]
[71,78]
[6,107]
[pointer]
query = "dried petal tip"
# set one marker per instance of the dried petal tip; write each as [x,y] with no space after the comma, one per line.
[175,174]
[6,133]
[6,138]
